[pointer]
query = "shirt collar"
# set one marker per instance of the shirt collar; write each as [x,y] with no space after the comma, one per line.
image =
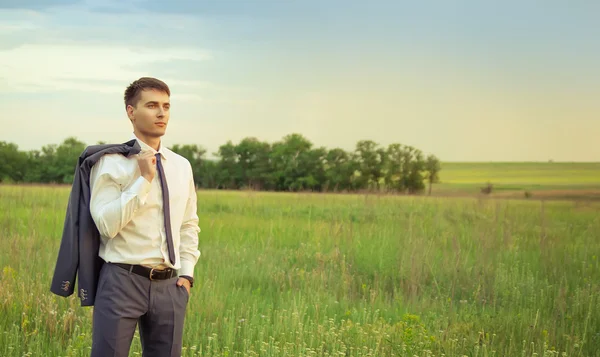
[146,147]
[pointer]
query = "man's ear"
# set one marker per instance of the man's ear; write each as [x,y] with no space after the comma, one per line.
[130,112]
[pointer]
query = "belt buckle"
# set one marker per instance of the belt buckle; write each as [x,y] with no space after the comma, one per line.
[151,271]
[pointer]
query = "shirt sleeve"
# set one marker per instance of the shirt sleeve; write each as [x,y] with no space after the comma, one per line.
[112,207]
[188,248]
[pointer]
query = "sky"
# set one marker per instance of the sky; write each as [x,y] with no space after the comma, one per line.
[463,80]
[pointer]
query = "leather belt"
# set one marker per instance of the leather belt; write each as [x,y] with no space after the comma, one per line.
[150,273]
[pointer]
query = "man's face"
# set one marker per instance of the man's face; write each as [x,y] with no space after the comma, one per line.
[150,115]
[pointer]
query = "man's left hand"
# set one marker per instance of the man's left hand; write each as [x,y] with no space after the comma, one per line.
[184,282]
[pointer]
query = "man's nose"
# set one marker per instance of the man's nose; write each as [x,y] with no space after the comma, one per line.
[161,113]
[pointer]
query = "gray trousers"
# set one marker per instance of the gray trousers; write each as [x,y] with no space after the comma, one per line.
[125,300]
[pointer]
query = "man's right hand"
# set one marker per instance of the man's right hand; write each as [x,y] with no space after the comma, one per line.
[147,164]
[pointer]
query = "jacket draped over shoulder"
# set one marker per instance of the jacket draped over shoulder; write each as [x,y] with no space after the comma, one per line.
[78,252]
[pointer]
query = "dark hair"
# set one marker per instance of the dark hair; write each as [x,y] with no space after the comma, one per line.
[133,91]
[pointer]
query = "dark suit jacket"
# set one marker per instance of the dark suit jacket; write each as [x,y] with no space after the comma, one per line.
[78,253]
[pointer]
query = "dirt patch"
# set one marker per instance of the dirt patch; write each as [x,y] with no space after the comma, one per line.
[576,195]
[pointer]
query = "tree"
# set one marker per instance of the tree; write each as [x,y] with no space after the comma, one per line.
[413,165]
[195,155]
[253,163]
[67,155]
[227,167]
[34,170]
[208,174]
[289,163]
[432,168]
[13,163]
[403,169]
[394,168]
[340,170]
[371,159]
[313,164]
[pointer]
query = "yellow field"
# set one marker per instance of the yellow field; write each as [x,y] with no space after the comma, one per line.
[537,180]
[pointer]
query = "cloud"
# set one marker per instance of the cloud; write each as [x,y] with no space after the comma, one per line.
[8,27]
[74,48]
[35,4]
[223,7]
[78,50]
[91,22]
[100,68]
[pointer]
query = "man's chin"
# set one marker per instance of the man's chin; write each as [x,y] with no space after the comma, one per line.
[153,132]
[156,133]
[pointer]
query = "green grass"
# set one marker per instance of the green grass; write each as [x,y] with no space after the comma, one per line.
[526,173]
[339,275]
[469,177]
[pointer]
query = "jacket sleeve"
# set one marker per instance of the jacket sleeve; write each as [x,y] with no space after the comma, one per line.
[188,248]
[111,207]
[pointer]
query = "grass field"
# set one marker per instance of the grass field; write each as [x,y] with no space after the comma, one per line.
[339,275]
[524,173]
[513,179]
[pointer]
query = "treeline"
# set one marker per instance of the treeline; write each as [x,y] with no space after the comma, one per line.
[291,164]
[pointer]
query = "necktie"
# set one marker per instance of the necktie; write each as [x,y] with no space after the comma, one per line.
[166,208]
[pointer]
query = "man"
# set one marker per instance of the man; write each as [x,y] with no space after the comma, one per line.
[144,207]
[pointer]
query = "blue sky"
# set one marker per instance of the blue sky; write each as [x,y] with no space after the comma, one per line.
[467,80]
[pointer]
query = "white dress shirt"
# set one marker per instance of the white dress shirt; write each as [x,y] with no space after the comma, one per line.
[128,211]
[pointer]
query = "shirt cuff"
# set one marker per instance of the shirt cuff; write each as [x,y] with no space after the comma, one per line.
[141,187]
[187,268]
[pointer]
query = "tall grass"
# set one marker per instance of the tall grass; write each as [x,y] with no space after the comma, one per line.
[338,275]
